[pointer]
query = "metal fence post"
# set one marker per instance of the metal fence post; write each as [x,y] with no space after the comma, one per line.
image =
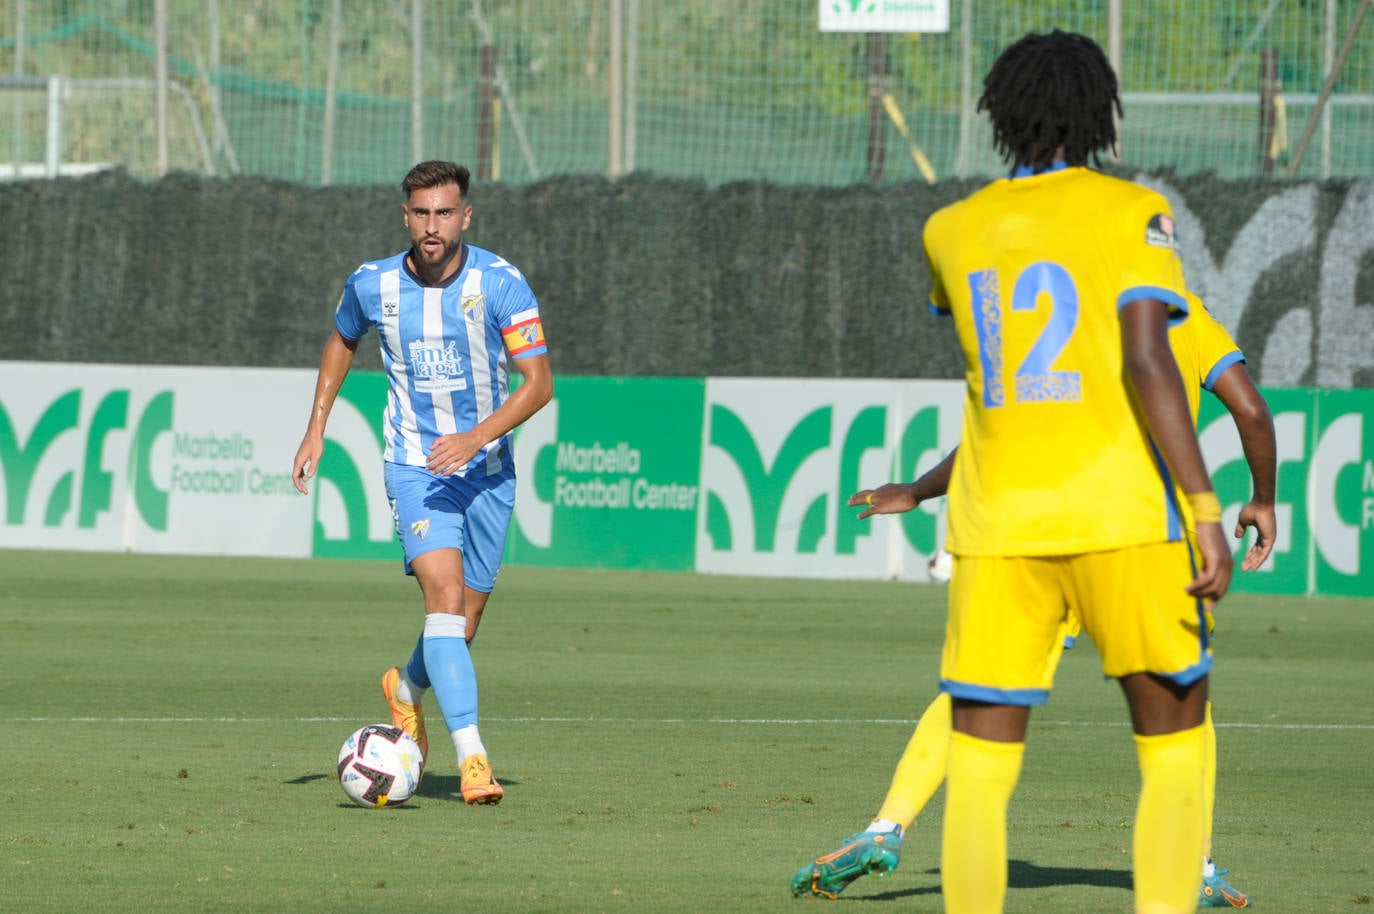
[615,91]
[417,81]
[160,74]
[1269,87]
[53,154]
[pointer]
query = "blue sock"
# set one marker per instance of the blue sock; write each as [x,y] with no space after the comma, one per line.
[415,669]
[450,669]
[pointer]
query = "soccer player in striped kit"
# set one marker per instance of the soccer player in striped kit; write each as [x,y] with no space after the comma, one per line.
[452,320]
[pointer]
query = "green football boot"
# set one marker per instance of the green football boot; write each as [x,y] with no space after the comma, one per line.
[1218,893]
[866,852]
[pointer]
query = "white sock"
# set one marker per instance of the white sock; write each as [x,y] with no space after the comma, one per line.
[1208,867]
[408,691]
[886,826]
[467,742]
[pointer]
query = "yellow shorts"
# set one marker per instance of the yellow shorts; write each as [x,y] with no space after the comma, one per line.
[1009,617]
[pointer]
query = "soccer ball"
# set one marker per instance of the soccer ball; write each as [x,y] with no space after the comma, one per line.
[380,765]
[940,566]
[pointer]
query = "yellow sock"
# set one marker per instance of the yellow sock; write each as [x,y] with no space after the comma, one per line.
[1168,822]
[1209,780]
[921,770]
[973,860]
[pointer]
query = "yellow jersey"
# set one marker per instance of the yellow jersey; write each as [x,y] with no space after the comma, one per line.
[1203,350]
[1055,458]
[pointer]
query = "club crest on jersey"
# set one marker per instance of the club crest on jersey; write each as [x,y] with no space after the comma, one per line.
[474,306]
[1161,232]
[420,528]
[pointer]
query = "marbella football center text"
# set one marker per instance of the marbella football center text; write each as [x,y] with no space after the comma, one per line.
[617,483]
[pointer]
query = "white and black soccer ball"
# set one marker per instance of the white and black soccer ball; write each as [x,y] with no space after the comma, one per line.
[940,567]
[380,765]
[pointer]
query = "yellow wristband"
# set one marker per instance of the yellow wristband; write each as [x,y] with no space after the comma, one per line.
[1206,507]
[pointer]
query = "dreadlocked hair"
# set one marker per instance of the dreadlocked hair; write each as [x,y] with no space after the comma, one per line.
[1050,91]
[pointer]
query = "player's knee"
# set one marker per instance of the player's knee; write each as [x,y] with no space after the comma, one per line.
[443,597]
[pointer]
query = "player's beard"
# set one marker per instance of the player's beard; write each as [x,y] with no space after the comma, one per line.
[440,256]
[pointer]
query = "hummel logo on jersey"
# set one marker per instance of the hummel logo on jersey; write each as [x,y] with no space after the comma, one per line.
[501,263]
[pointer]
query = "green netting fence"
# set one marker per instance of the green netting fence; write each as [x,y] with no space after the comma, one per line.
[354,91]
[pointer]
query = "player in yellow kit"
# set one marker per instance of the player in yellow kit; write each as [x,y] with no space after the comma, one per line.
[1207,358]
[1062,282]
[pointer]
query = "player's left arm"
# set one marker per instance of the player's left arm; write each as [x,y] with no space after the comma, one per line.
[1255,423]
[1153,374]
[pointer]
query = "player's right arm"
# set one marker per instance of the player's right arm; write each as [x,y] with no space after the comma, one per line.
[899,497]
[1153,374]
[335,361]
[1255,423]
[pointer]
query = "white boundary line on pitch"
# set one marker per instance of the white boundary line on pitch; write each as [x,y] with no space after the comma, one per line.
[802,722]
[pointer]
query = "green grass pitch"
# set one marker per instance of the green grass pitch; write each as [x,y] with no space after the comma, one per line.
[668,742]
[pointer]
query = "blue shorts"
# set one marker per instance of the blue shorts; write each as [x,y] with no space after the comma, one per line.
[470,514]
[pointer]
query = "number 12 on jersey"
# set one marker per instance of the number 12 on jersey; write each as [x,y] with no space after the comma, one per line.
[1035,380]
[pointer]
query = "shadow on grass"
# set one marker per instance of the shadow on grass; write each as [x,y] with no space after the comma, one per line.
[1022,874]
[432,786]
[308,778]
[435,786]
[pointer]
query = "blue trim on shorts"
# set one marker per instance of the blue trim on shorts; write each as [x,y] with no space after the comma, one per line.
[991,696]
[1192,674]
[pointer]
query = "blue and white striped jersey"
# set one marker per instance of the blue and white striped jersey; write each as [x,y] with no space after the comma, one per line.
[445,348]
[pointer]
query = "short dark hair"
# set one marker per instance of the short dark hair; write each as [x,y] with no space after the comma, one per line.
[436,173]
[1048,91]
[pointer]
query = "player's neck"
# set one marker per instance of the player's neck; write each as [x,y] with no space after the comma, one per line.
[1024,170]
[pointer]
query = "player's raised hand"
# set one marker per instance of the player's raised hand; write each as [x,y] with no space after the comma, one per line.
[1262,518]
[1214,577]
[891,498]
